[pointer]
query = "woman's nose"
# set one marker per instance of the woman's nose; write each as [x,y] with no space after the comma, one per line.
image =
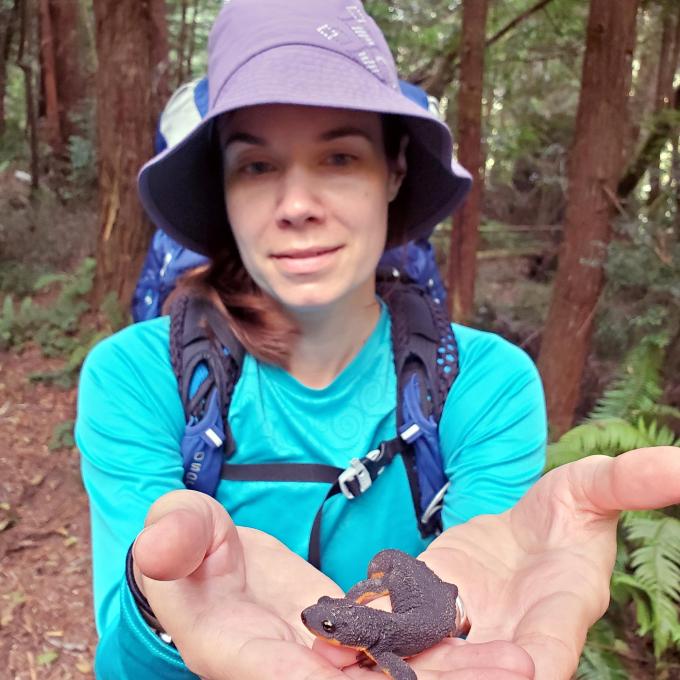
[299,203]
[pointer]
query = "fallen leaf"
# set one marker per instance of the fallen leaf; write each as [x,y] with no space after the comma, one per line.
[84,666]
[16,599]
[47,658]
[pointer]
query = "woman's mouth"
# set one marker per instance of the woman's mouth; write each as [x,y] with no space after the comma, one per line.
[306,260]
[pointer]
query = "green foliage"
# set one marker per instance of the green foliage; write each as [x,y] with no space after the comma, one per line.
[57,326]
[62,436]
[607,437]
[655,561]
[600,660]
[647,572]
[627,416]
[53,327]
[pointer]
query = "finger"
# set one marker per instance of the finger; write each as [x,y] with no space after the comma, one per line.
[554,631]
[642,479]
[479,673]
[340,657]
[455,654]
[260,658]
[182,529]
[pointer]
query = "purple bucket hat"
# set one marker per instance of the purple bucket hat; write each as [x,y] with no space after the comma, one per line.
[310,52]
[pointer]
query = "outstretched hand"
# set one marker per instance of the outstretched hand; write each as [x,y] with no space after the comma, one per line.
[533,580]
[538,575]
[230,597]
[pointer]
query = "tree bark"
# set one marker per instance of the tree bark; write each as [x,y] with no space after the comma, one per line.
[129,98]
[74,67]
[664,86]
[465,232]
[181,44]
[25,61]
[189,69]
[49,78]
[594,167]
[7,23]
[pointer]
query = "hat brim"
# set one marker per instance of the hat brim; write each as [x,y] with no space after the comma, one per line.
[182,188]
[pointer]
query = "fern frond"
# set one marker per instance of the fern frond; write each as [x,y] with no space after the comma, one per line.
[607,437]
[656,571]
[637,387]
[599,660]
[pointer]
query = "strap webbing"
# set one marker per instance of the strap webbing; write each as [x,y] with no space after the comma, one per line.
[348,481]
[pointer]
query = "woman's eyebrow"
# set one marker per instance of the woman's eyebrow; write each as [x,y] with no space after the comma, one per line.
[346,131]
[328,136]
[246,138]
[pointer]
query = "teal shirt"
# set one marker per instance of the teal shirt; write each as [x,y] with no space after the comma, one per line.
[130,424]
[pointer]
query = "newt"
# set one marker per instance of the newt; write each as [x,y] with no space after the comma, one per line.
[423,613]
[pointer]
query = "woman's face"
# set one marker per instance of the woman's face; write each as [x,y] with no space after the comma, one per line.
[307,191]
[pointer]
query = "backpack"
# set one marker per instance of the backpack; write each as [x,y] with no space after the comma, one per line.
[166,259]
[207,359]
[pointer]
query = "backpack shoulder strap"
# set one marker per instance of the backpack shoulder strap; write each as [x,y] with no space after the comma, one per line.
[206,358]
[426,364]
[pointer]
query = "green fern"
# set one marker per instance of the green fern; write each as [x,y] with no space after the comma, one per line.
[647,571]
[656,573]
[637,388]
[600,659]
[607,437]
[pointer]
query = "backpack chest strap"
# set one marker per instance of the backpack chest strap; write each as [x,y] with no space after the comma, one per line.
[351,482]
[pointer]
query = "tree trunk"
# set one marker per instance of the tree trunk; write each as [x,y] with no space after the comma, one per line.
[189,68]
[464,235]
[181,44]
[25,61]
[594,168]
[49,78]
[664,86]
[131,71]
[7,22]
[74,69]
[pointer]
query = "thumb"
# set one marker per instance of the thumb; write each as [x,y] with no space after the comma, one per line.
[182,529]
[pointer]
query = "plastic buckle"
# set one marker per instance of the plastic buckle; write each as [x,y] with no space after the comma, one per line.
[435,504]
[356,471]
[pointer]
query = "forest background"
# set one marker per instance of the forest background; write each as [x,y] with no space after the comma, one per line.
[566,112]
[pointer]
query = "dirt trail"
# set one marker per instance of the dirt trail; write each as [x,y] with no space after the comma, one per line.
[46,623]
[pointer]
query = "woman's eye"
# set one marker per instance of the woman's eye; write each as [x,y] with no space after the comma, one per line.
[256,168]
[341,159]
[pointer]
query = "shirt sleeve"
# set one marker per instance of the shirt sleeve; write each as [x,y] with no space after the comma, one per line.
[493,429]
[128,429]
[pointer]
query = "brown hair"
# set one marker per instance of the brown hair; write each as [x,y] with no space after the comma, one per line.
[256,319]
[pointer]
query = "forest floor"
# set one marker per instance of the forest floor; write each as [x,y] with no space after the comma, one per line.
[46,623]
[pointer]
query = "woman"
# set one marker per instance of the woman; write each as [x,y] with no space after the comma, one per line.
[319,162]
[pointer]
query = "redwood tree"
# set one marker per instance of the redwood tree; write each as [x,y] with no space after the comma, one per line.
[132,57]
[595,163]
[49,77]
[8,18]
[74,61]
[464,235]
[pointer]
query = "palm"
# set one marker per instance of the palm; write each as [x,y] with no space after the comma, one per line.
[237,612]
[538,575]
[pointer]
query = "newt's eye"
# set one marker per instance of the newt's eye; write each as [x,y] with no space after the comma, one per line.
[328,626]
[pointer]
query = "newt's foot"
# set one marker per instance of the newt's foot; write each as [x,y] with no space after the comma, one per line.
[395,667]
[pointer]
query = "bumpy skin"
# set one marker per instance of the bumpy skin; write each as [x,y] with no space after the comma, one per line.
[423,613]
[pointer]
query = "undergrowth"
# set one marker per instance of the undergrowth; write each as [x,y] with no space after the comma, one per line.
[646,577]
[57,323]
